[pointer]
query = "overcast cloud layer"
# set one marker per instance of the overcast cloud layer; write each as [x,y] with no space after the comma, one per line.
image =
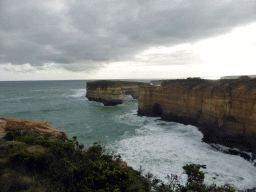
[88,34]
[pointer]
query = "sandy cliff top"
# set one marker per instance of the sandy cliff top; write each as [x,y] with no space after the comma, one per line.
[40,127]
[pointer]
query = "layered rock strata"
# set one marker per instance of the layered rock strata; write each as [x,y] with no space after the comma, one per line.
[40,127]
[111,93]
[223,110]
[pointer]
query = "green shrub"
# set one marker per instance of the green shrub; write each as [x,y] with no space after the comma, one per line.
[11,147]
[30,140]
[12,134]
[28,160]
[12,181]
[194,175]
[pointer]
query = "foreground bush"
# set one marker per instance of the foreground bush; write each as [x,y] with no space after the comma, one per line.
[55,164]
[43,162]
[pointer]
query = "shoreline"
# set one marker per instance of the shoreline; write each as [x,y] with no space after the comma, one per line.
[225,147]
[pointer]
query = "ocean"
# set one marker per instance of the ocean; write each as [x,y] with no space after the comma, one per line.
[160,147]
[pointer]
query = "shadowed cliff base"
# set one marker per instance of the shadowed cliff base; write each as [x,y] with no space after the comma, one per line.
[106,102]
[223,110]
[112,93]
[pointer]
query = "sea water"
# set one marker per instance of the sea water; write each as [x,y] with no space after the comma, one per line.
[160,147]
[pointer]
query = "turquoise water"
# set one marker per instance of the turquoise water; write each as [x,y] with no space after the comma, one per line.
[63,105]
[160,147]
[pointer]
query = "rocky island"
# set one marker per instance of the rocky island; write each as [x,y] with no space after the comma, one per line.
[111,93]
[223,110]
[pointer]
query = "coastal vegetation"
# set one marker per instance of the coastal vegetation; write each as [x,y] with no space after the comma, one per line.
[31,162]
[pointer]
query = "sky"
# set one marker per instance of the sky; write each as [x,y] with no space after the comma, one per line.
[126,39]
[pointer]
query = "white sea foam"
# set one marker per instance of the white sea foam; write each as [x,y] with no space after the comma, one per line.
[131,119]
[38,90]
[15,99]
[76,93]
[79,93]
[128,98]
[164,147]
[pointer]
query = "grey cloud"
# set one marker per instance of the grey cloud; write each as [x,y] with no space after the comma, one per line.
[27,19]
[25,68]
[89,34]
[184,24]
[179,57]
[88,66]
[43,38]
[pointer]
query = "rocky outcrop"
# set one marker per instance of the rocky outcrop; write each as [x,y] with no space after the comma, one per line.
[224,110]
[109,96]
[111,93]
[40,127]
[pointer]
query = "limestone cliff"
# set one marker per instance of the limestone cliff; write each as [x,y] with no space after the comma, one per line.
[224,110]
[40,127]
[111,93]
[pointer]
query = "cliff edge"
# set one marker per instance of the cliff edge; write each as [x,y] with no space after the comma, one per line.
[112,93]
[223,110]
[40,127]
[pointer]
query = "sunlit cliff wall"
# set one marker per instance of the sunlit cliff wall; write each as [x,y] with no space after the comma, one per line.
[224,110]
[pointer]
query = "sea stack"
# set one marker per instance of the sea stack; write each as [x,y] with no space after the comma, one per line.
[223,110]
[111,93]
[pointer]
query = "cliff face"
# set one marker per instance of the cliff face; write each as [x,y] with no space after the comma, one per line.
[109,96]
[150,100]
[111,93]
[224,110]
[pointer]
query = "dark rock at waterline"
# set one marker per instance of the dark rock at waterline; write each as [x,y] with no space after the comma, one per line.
[251,190]
[247,155]
[201,166]
[106,102]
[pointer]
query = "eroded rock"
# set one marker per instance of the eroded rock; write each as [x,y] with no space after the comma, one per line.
[40,127]
[111,93]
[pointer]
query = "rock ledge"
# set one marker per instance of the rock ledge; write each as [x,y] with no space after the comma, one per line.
[40,127]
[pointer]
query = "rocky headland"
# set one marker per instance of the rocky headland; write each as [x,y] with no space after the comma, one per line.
[40,127]
[223,110]
[111,93]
